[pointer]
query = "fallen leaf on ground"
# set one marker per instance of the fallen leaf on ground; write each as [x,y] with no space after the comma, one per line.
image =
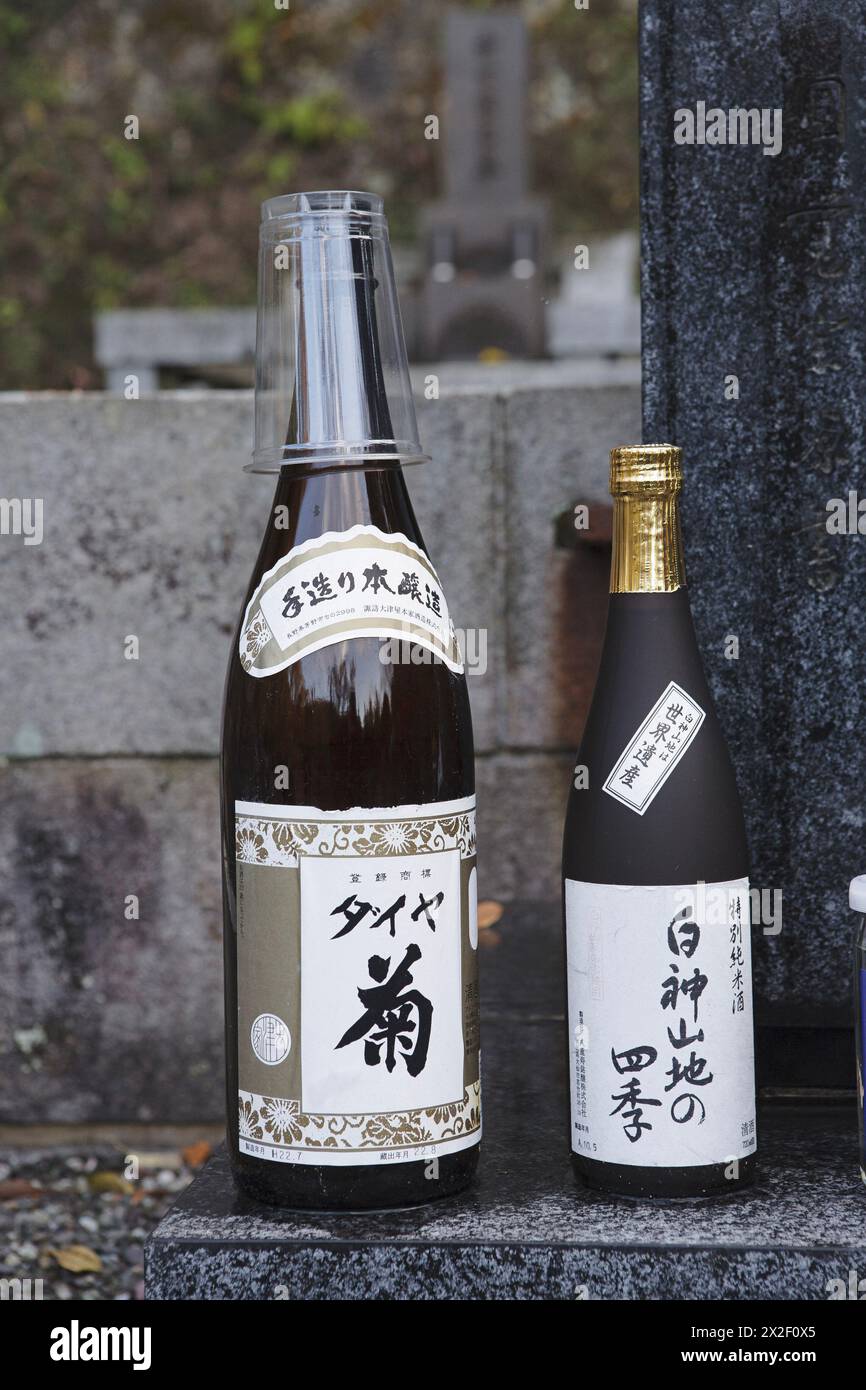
[13,1188]
[488,913]
[110,1182]
[77,1259]
[196,1154]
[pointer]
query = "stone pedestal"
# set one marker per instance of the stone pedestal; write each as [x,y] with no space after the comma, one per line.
[524,1230]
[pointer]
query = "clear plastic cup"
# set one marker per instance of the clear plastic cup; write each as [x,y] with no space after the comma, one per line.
[332,377]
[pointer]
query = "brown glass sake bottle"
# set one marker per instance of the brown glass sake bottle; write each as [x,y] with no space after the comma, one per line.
[347,762]
[656,891]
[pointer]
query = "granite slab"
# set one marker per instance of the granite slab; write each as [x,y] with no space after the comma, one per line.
[754,361]
[525,1230]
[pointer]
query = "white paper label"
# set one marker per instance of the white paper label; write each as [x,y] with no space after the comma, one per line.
[660,1023]
[655,748]
[358,583]
[357,982]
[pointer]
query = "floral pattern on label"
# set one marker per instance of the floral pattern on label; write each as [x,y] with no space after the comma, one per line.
[357,982]
[269,1127]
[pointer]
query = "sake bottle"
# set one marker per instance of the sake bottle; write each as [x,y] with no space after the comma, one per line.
[656,890]
[348,808]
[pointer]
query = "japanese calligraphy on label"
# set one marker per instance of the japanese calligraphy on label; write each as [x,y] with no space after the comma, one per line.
[357,583]
[651,755]
[660,1019]
[357,982]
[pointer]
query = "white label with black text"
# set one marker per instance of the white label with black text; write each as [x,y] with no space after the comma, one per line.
[654,749]
[348,584]
[661,1040]
[357,982]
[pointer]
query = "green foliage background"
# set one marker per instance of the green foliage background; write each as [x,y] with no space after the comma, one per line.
[237,101]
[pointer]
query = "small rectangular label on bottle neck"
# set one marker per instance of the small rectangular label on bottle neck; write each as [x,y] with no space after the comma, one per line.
[655,748]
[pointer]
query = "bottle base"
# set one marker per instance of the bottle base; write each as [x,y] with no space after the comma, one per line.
[362,1188]
[664,1184]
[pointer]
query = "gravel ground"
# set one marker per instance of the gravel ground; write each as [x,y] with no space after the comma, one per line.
[78,1220]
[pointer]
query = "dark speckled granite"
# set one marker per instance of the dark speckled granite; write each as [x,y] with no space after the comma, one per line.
[525,1230]
[755,266]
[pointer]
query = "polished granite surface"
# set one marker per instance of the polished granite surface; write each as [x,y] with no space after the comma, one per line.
[525,1229]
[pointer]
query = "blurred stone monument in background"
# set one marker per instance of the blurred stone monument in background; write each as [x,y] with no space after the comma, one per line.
[477,282]
[484,243]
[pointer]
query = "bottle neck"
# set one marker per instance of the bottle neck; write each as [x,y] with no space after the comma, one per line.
[305,507]
[647,549]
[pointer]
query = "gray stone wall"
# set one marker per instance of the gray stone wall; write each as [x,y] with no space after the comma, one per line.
[109,782]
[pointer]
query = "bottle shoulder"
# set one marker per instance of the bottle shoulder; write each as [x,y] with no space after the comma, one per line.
[654,798]
[344,670]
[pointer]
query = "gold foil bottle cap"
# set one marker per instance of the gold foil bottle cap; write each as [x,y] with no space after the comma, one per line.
[648,469]
[647,556]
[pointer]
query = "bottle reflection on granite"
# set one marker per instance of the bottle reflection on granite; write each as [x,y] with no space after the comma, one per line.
[857,901]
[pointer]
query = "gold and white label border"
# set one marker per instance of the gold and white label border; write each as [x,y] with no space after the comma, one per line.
[273,1128]
[264,836]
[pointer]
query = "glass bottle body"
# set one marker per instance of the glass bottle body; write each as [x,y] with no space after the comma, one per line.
[348,729]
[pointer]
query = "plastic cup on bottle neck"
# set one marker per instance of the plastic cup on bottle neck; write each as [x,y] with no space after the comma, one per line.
[332,375]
